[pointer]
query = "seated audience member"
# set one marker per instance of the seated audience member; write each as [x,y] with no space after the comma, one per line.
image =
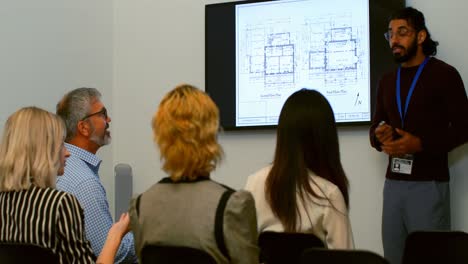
[32,211]
[305,189]
[87,122]
[180,210]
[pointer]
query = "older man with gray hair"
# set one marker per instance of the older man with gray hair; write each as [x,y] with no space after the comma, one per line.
[87,125]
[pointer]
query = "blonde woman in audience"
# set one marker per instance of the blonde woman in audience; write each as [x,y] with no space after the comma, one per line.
[32,211]
[305,189]
[180,210]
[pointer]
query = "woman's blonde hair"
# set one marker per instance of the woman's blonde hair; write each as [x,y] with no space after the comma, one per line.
[185,128]
[30,149]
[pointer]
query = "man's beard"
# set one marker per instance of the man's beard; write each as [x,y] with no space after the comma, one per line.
[101,140]
[410,52]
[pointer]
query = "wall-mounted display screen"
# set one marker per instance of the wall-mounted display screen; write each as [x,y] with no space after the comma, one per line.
[259,52]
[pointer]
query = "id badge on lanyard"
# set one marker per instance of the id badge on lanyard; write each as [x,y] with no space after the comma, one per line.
[404,164]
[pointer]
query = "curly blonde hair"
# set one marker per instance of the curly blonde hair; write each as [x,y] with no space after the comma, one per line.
[30,149]
[185,128]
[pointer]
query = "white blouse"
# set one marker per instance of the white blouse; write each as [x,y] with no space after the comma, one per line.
[327,219]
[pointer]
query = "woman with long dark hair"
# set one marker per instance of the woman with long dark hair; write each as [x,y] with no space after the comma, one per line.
[305,189]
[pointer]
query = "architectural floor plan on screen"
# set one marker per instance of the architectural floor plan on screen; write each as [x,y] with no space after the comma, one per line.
[283,46]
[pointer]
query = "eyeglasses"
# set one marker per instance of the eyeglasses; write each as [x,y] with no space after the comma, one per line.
[400,33]
[103,112]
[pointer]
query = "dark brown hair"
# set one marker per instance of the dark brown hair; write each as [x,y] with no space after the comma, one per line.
[415,19]
[306,140]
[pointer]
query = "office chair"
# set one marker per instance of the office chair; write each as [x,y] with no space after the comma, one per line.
[436,247]
[175,255]
[322,255]
[276,247]
[15,253]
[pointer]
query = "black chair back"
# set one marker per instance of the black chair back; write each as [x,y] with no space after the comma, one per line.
[436,247]
[278,247]
[175,255]
[16,253]
[322,255]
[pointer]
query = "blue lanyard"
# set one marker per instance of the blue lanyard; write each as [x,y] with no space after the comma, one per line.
[410,92]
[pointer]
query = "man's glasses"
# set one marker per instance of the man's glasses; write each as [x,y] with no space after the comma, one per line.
[400,33]
[103,112]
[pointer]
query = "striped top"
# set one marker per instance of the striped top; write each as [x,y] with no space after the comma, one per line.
[48,218]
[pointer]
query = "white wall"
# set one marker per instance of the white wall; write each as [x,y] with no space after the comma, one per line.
[49,47]
[159,44]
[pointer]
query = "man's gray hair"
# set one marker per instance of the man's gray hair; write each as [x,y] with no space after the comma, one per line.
[74,106]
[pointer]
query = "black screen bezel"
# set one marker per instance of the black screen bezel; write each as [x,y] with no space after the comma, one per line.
[220,57]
